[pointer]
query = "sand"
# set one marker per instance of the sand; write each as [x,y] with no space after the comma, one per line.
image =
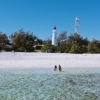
[24,60]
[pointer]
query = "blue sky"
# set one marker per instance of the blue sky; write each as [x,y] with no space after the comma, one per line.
[40,16]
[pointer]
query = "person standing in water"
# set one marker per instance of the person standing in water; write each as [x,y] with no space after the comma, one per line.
[55,67]
[60,69]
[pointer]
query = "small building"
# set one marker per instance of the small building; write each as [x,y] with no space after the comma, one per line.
[38,47]
[7,47]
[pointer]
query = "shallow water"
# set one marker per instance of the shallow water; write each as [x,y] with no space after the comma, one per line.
[45,84]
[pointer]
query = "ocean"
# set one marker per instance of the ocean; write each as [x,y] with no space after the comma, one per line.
[47,84]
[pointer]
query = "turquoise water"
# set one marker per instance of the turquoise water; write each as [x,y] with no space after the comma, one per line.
[45,84]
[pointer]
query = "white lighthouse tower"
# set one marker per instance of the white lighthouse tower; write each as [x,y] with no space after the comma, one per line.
[54,37]
[77,25]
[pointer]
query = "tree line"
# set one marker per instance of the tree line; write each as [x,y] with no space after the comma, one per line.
[22,41]
[74,43]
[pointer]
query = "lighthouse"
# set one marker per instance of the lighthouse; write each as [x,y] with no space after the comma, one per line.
[54,37]
[77,25]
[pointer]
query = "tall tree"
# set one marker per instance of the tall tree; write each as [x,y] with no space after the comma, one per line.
[3,40]
[62,37]
[79,44]
[62,40]
[23,41]
[94,46]
[75,38]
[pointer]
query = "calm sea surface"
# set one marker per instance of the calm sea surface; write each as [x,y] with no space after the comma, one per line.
[45,84]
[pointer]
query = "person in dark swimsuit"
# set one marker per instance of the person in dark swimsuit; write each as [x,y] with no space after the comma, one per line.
[60,69]
[55,67]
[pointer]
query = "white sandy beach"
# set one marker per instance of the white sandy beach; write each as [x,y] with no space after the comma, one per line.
[47,60]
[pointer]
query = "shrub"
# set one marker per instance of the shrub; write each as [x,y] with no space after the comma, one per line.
[21,49]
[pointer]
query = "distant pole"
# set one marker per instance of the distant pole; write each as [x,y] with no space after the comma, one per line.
[54,37]
[77,25]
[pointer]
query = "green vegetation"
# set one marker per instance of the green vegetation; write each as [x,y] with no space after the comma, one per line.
[74,44]
[49,48]
[22,41]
